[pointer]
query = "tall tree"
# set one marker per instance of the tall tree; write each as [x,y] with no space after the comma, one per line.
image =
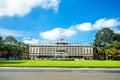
[1,41]
[103,37]
[10,39]
[117,37]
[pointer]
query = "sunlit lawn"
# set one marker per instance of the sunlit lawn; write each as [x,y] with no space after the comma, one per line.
[47,63]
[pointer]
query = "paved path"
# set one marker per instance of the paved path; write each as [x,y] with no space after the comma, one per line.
[59,73]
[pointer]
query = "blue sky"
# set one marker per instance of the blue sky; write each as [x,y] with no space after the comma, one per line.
[32,21]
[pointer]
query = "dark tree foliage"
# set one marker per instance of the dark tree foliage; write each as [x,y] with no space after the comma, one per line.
[10,39]
[117,37]
[103,37]
[1,41]
[106,45]
[11,48]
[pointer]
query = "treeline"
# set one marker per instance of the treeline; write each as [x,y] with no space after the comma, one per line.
[106,45]
[10,48]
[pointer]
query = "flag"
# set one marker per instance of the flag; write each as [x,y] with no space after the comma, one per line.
[62,39]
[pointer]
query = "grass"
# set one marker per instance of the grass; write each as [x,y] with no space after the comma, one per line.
[47,63]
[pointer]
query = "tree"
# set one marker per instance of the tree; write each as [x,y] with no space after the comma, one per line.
[103,37]
[107,45]
[1,41]
[25,51]
[9,48]
[117,37]
[113,50]
[10,40]
[1,44]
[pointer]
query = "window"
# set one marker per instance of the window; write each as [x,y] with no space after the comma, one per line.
[31,50]
[36,50]
[60,50]
[87,50]
[84,50]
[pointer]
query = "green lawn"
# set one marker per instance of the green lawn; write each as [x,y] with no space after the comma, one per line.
[47,63]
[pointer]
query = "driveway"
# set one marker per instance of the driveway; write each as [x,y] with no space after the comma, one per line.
[26,73]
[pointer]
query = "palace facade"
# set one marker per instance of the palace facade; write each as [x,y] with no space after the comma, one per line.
[60,49]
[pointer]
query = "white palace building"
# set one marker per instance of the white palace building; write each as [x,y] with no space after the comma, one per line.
[60,50]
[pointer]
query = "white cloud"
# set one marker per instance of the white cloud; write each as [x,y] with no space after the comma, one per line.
[84,27]
[110,23]
[68,32]
[23,7]
[16,33]
[101,23]
[6,32]
[57,33]
[26,38]
[52,34]
[32,41]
